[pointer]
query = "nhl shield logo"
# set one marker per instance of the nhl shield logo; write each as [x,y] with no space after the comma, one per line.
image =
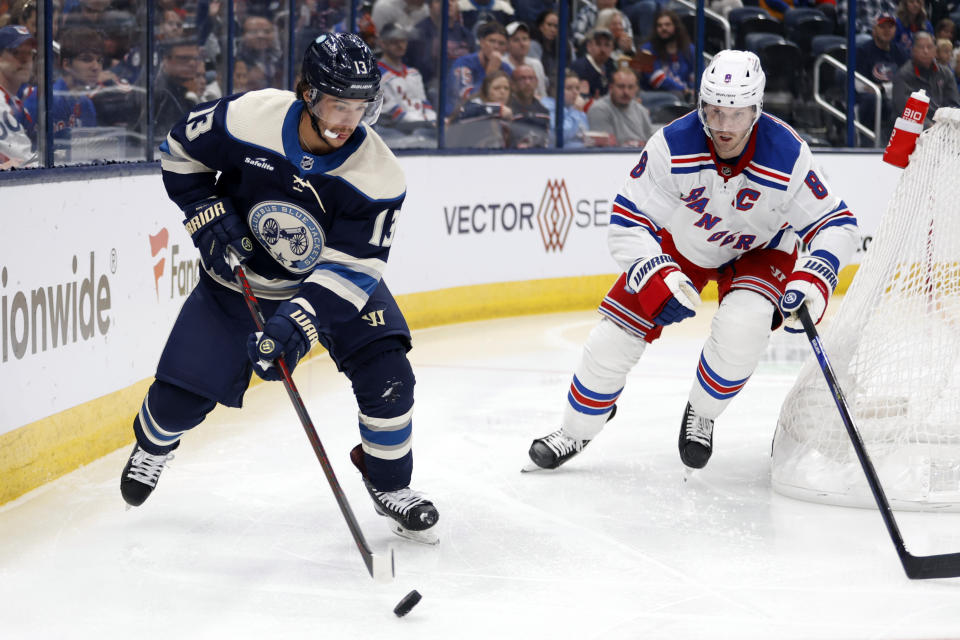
[306,163]
[726,171]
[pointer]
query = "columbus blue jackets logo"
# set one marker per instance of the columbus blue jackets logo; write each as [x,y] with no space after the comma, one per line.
[289,233]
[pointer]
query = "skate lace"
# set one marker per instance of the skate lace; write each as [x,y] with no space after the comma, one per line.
[146,467]
[562,444]
[699,429]
[402,500]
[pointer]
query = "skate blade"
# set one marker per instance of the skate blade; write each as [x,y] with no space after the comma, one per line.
[423,537]
[532,466]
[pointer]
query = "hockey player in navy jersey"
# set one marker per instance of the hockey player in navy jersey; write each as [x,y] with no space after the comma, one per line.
[300,189]
[726,193]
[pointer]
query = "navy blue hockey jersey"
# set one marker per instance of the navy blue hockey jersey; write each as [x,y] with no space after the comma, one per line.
[322,225]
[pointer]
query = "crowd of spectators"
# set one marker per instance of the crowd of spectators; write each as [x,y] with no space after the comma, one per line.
[624,58]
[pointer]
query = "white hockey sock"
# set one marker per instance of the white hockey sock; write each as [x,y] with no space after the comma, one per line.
[738,337]
[608,356]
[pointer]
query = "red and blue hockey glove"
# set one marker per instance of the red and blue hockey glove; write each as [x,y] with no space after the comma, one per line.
[214,227]
[665,293]
[811,283]
[289,333]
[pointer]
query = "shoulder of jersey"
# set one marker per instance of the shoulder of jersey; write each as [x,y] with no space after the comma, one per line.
[778,145]
[256,118]
[372,169]
[684,136]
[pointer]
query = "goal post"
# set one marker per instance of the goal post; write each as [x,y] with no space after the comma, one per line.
[894,343]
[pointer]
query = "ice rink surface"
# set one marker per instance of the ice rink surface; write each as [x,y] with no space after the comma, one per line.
[243,539]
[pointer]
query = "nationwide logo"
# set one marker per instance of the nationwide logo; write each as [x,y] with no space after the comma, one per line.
[555,215]
[260,163]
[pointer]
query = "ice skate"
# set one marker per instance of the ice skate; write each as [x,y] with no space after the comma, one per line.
[554,449]
[141,474]
[696,439]
[411,515]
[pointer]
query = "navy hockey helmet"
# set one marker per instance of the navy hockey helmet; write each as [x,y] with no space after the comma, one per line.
[341,65]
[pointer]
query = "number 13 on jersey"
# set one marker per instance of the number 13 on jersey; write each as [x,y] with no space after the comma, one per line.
[382,232]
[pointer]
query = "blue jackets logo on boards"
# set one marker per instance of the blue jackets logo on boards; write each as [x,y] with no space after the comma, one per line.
[290,234]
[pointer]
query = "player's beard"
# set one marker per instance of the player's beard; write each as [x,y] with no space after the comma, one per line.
[734,145]
[340,137]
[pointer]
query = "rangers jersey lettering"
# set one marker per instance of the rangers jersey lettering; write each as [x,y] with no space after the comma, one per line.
[716,212]
[322,225]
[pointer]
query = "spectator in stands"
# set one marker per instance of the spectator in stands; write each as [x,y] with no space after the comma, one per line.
[586,20]
[180,64]
[674,65]
[403,13]
[85,13]
[259,47]
[620,115]
[468,72]
[596,67]
[423,51]
[531,121]
[879,59]
[518,53]
[945,52]
[617,23]
[476,12]
[404,97]
[170,26]
[484,119]
[574,119]
[24,12]
[923,72]
[946,29]
[81,61]
[544,44]
[18,52]
[240,78]
[911,19]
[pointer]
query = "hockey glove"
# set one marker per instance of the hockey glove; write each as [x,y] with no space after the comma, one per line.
[665,293]
[214,226]
[811,283]
[290,333]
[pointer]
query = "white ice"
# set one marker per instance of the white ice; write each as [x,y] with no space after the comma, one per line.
[242,538]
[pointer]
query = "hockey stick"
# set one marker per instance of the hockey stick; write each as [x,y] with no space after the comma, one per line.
[381,568]
[945,565]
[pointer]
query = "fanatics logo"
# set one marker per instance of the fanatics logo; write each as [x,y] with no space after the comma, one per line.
[727,78]
[555,216]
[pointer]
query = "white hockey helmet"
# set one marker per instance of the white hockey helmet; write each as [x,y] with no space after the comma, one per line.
[732,79]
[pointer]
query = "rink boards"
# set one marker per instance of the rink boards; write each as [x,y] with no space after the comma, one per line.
[93,272]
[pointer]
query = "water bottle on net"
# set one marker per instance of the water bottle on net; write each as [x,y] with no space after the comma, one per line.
[906,130]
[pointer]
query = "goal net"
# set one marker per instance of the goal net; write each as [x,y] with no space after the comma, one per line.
[894,344]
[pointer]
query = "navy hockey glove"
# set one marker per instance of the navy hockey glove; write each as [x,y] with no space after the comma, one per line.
[811,283]
[214,227]
[289,333]
[665,293]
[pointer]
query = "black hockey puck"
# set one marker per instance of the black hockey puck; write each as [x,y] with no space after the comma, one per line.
[409,602]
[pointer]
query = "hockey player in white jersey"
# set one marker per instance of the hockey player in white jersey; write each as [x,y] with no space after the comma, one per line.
[727,193]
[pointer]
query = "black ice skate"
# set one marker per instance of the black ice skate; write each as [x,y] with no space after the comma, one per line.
[411,515]
[552,450]
[696,439]
[140,476]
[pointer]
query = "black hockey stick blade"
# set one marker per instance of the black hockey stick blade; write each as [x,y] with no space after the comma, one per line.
[916,567]
[381,568]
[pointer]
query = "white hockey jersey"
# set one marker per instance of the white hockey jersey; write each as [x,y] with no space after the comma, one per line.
[404,98]
[716,213]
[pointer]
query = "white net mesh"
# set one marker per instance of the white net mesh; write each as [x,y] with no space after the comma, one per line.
[895,347]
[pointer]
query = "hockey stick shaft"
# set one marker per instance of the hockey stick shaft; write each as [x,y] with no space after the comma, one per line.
[380,568]
[916,567]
